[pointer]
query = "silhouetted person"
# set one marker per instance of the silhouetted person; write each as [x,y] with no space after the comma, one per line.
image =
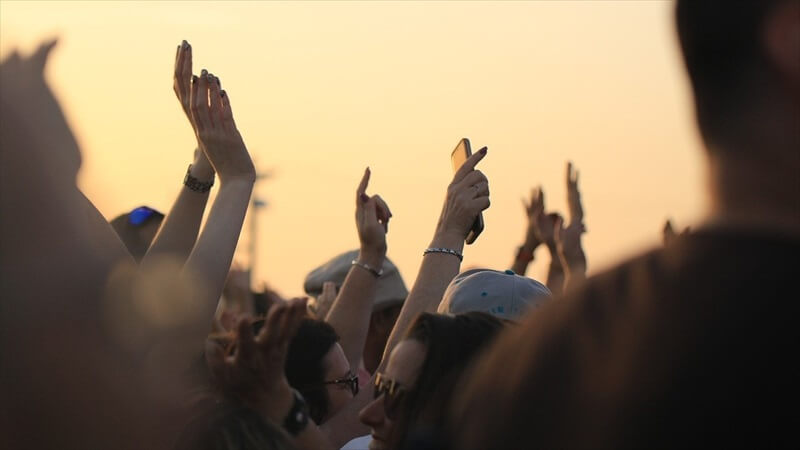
[690,345]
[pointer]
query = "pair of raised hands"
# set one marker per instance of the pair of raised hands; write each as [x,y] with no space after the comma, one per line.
[208,108]
[467,195]
[550,229]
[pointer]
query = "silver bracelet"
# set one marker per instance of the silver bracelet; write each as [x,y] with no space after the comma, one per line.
[443,250]
[368,268]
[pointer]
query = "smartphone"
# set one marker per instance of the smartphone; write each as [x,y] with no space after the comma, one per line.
[458,157]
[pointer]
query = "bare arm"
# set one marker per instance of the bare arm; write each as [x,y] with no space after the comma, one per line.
[223,145]
[350,313]
[568,240]
[533,210]
[555,272]
[467,195]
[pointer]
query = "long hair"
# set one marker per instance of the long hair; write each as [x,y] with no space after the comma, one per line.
[451,343]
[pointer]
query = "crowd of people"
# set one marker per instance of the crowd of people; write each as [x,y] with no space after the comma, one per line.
[139,333]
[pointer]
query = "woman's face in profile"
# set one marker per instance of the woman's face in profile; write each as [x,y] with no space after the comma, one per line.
[402,371]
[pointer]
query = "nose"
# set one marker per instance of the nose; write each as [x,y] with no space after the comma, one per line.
[372,415]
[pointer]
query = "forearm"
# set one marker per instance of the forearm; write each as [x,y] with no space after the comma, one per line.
[211,257]
[178,233]
[524,257]
[435,274]
[107,244]
[574,270]
[555,273]
[351,311]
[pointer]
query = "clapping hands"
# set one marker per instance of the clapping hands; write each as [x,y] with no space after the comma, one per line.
[182,84]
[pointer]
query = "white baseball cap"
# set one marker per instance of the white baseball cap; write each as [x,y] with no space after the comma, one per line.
[504,295]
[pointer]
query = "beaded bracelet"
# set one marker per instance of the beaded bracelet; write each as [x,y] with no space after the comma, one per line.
[368,268]
[444,250]
[196,185]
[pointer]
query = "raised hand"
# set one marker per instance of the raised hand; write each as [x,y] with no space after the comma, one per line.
[182,85]
[372,220]
[573,195]
[568,243]
[254,372]
[535,212]
[467,196]
[219,138]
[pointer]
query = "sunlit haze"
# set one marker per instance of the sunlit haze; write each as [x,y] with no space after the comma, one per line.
[320,90]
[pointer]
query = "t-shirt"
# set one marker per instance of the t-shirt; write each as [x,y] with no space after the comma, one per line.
[359,443]
[688,346]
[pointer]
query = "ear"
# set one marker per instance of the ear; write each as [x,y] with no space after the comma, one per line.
[782,40]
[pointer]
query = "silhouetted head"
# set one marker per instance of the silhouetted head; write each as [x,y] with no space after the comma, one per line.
[743,59]
[137,229]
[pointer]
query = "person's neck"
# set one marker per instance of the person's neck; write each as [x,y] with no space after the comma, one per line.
[759,191]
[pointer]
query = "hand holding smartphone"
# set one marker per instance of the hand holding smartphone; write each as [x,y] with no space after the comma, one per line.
[460,154]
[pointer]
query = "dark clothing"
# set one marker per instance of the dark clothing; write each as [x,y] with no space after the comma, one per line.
[689,346]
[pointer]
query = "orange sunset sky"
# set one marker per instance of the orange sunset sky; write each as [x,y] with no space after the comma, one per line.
[322,89]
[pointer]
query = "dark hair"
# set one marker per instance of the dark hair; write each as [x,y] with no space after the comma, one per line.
[451,343]
[723,52]
[228,425]
[304,368]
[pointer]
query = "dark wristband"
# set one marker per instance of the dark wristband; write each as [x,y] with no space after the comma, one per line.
[196,185]
[297,418]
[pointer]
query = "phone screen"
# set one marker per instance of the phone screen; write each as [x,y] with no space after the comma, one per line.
[459,157]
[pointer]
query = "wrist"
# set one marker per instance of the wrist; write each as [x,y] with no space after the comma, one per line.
[277,405]
[575,262]
[531,242]
[530,245]
[373,257]
[444,239]
[202,170]
[197,184]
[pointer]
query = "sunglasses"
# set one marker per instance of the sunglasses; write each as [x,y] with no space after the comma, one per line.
[393,393]
[350,380]
[140,215]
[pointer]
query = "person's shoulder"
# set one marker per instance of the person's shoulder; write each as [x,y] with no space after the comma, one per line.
[699,257]
[669,278]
